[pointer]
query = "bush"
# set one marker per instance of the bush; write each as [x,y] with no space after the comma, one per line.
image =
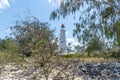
[115,54]
[11,58]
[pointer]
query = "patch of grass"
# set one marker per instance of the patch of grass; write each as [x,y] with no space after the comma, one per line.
[93,57]
[71,56]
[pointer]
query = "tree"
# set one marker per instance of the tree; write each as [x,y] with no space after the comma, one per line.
[96,17]
[44,54]
[37,41]
[94,45]
[31,35]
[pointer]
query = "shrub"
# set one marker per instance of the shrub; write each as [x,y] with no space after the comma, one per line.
[11,57]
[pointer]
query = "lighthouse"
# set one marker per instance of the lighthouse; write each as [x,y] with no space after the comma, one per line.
[62,41]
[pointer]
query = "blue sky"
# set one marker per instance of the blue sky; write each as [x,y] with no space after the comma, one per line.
[11,10]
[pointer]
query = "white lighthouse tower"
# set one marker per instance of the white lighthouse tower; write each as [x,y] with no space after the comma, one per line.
[62,41]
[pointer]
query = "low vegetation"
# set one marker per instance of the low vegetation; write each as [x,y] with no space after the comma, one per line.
[11,58]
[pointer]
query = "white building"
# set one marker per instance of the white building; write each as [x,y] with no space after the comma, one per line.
[62,40]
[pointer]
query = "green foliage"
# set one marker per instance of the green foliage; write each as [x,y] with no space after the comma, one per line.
[8,45]
[32,36]
[36,41]
[117,29]
[76,55]
[94,45]
[107,12]
[115,54]
[104,9]
[11,58]
[96,18]
[94,54]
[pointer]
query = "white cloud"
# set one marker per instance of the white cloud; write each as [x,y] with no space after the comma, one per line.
[8,30]
[4,4]
[55,2]
[72,41]
[66,32]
